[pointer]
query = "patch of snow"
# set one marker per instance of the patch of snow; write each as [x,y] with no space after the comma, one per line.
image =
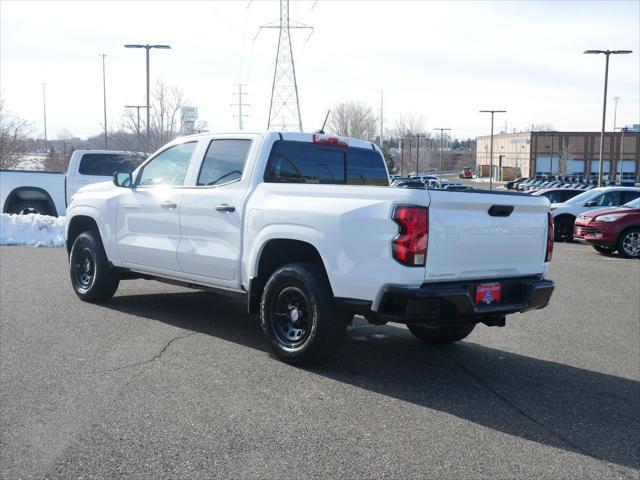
[31,230]
[33,161]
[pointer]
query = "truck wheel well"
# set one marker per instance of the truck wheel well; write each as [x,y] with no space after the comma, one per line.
[275,254]
[79,224]
[29,193]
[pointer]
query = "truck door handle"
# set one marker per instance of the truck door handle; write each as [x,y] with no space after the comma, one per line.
[223,207]
[169,205]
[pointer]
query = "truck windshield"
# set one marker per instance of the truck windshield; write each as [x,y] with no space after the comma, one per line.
[583,197]
[304,162]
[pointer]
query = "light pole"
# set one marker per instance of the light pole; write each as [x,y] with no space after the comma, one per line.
[104,100]
[621,158]
[492,112]
[606,53]
[441,130]
[147,47]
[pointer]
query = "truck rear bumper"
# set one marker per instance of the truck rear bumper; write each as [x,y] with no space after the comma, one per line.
[453,302]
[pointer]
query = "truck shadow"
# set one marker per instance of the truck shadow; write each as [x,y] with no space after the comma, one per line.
[569,408]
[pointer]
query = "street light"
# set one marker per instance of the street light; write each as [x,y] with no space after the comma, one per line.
[147,47]
[492,112]
[606,53]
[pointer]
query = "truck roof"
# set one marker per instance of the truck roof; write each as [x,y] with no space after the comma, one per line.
[293,136]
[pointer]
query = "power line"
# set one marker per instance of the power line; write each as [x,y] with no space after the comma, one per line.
[240,104]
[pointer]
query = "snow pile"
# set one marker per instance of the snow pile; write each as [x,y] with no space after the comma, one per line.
[31,230]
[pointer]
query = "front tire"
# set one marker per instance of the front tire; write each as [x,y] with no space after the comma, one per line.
[92,278]
[299,316]
[629,243]
[441,335]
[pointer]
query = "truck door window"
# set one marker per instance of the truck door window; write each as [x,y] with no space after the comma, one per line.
[169,167]
[106,164]
[223,162]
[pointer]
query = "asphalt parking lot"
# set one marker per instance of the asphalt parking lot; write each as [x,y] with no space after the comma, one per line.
[164,382]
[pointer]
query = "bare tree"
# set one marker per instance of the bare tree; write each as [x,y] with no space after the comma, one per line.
[565,157]
[166,103]
[409,125]
[353,119]
[13,136]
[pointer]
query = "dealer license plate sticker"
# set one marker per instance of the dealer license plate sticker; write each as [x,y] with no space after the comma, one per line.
[489,293]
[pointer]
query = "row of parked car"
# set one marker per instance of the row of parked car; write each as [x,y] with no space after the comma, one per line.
[426,181]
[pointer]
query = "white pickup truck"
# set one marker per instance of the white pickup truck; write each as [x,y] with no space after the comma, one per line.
[307,229]
[49,193]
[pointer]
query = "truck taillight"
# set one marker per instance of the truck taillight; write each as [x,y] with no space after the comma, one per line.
[550,235]
[330,140]
[410,245]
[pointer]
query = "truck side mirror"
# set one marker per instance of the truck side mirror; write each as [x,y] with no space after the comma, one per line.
[123,179]
[591,203]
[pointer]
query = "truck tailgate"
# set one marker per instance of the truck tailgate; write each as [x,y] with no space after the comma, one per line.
[485,235]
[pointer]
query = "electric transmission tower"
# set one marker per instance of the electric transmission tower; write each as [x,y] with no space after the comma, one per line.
[240,104]
[284,109]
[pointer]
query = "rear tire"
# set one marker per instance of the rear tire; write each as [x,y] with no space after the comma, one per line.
[604,250]
[441,335]
[629,243]
[299,316]
[92,278]
[26,207]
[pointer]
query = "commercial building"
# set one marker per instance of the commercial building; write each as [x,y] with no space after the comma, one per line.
[576,154]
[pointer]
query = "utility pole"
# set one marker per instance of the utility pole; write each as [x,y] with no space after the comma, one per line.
[104,100]
[410,153]
[137,107]
[240,105]
[44,111]
[381,118]
[615,112]
[606,53]
[492,112]
[148,47]
[285,104]
[418,153]
[401,157]
[441,130]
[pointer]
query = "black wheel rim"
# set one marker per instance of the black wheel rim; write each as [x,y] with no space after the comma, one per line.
[292,317]
[84,269]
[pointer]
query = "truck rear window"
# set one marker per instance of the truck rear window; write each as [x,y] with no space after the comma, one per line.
[106,164]
[303,162]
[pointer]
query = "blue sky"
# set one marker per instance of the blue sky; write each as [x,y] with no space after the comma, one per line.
[441,60]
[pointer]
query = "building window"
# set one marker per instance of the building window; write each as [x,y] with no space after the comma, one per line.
[547,165]
[629,170]
[595,169]
[575,168]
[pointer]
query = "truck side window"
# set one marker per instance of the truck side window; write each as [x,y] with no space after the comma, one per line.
[302,162]
[106,164]
[169,167]
[609,199]
[223,162]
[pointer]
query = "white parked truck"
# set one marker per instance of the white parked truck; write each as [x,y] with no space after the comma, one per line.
[49,193]
[308,230]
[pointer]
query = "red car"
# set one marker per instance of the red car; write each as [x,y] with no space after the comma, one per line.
[466,173]
[611,229]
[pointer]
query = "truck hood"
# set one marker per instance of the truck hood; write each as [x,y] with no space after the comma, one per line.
[97,187]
